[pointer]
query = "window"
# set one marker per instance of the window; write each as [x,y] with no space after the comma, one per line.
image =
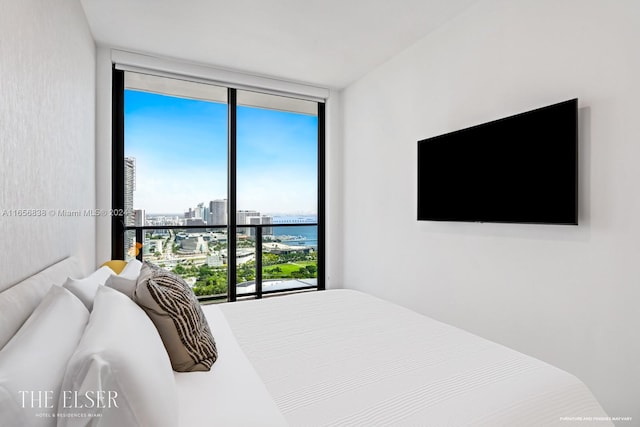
[217,183]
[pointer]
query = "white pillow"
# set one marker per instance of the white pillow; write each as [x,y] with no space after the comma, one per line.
[122,357]
[125,282]
[131,270]
[18,302]
[33,362]
[86,288]
[122,284]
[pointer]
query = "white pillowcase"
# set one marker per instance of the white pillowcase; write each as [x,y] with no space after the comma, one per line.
[122,284]
[131,270]
[125,282]
[18,302]
[121,356]
[86,288]
[34,360]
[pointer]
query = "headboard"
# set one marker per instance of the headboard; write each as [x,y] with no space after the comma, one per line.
[19,301]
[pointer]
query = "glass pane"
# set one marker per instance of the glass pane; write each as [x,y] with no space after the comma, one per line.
[176,176]
[175,149]
[277,157]
[245,260]
[290,258]
[277,182]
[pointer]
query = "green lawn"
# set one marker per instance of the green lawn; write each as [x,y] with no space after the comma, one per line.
[287,268]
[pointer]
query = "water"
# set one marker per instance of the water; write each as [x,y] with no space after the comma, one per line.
[306,235]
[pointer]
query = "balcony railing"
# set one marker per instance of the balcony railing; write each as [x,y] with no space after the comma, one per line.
[281,263]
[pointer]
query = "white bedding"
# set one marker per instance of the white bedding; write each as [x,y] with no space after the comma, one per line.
[231,393]
[345,358]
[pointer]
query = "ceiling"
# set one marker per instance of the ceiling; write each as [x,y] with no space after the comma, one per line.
[328,43]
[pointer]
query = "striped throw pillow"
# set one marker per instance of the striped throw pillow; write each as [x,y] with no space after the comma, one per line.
[176,313]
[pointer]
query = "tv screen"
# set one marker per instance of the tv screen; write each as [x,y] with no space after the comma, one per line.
[519,169]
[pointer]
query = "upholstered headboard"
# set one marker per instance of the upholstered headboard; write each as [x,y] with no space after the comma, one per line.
[19,301]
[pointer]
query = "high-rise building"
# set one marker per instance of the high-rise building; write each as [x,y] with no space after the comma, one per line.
[129,188]
[252,220]
[206,214]
[267,219]
[200,212]
[218,212]
[242,217]
[253,217]
[139,218]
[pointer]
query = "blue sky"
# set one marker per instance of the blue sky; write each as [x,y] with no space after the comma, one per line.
[180,146]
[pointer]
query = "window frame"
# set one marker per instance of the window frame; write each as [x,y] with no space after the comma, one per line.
[119,228]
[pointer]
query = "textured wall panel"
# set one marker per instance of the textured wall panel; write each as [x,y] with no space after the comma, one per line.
[47,135]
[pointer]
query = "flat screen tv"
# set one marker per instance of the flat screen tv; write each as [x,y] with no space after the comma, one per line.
[519,169]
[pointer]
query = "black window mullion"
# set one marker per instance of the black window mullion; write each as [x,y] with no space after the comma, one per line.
[139,241]
[231,197]
[321,196]
[258,261]
[117,164]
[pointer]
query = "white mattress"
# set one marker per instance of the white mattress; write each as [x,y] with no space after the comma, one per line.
[345,358]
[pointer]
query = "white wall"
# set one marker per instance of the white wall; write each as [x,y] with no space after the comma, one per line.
[47,135]
[333,192]
[567,295]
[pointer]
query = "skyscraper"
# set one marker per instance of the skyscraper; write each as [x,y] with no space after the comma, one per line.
[129,188]
[267,219]
[243,217]
[200,212]
[251,220]
[129,215]
[139,218]
[206,215]
[264,219]
[218,212]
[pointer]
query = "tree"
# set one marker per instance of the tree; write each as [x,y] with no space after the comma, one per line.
[301,273]
[311,270]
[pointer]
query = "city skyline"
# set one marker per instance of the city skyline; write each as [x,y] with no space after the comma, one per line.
[194,206]
[180,151]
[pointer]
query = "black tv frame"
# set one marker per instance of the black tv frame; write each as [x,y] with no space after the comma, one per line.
[570,219]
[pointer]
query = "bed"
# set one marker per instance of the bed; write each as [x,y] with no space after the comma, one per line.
[342,357]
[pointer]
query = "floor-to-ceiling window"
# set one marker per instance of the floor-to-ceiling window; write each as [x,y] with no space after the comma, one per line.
[217,183]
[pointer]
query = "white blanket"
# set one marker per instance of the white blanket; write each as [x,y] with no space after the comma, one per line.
[345,358]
